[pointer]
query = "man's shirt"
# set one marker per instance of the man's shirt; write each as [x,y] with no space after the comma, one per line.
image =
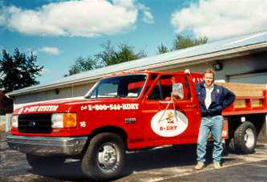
[208,95]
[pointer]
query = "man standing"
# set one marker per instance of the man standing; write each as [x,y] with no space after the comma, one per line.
[213,99]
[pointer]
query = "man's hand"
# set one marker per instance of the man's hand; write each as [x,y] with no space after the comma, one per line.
[187,71]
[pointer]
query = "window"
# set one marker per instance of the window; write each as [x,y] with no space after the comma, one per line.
[129,86]
[186,86]
[163,88]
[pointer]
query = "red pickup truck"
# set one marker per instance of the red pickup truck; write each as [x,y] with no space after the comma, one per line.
[122,112]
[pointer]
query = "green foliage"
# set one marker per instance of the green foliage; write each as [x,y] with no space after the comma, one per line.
[162,49]
[109,56]
[182,42]
[81,65]
[18,71]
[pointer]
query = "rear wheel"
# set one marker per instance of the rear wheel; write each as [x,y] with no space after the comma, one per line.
[105,157]
[44,163]
[245,138]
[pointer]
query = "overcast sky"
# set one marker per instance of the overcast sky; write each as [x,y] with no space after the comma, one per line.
[60,31]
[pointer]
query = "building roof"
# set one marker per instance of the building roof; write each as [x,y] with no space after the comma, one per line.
[189,56]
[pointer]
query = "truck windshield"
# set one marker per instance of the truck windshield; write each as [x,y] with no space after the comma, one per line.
[129,86]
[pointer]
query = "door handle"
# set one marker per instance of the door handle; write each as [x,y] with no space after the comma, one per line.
[192,106]
[130,120]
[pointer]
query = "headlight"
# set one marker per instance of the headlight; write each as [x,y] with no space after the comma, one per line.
[57,120]
[14,121]
[64,120]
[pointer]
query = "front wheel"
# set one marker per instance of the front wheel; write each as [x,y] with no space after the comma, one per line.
[245,138]
[105,157]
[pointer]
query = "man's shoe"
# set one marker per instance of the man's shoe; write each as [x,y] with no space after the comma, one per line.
[217,165]
[200,165]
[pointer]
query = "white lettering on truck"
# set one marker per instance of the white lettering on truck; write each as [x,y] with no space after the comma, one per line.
[110,107]
[40,109]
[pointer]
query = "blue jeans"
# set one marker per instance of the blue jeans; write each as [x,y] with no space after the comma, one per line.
[214,125]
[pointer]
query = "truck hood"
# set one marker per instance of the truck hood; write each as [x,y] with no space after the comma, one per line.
[70,105]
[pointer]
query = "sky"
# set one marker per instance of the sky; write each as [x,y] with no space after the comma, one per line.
[60,31]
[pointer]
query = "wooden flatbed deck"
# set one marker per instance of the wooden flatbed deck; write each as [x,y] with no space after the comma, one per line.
[250,98]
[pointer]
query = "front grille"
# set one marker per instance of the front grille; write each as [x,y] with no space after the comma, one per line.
[35,123]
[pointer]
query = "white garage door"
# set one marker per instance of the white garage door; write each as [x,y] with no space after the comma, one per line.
[249,78]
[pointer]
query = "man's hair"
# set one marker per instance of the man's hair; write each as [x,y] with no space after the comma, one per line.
[209,70]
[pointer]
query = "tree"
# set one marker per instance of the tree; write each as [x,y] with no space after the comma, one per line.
[18,71]
[110,56]
[162,49]
[81,65]
[182,42]
[126,53]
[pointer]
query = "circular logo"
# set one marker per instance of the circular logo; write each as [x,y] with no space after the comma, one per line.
[169,123]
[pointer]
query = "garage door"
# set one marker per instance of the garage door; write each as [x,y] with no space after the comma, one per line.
[249,78]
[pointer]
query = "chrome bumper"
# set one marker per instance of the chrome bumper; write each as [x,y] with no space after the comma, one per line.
[47,146]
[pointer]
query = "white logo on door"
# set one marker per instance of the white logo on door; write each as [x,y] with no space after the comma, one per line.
[169,123]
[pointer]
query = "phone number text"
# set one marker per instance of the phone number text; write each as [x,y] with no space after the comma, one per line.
[104,107]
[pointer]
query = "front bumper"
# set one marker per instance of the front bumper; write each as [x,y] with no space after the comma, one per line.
[47,146]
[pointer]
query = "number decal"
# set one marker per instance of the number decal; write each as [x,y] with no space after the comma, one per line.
[82,124]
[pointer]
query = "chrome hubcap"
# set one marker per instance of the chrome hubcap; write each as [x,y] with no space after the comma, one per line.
[249,138]
[107,156]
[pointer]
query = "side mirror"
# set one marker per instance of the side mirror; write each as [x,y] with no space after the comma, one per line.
[178,91]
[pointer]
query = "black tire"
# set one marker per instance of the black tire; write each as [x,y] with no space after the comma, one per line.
[245,138]
[44,163]
[225,149]
[230,145]
[105,157]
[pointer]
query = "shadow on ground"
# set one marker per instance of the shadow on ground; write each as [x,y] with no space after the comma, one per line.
[157,158]
[136,161]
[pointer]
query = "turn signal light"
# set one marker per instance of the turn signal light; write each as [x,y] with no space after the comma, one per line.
[70,120]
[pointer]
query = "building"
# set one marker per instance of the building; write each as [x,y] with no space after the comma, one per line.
[238,59]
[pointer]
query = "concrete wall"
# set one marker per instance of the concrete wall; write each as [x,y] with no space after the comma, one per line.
[77,91]
[245,66]
[2,122]
[2,119]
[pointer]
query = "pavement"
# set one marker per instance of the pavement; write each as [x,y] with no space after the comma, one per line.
[166,164]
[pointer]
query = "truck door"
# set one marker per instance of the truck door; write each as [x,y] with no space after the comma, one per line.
[171,120]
